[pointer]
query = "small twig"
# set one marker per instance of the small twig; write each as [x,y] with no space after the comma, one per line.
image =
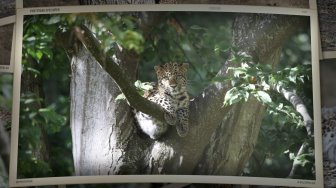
[296,165]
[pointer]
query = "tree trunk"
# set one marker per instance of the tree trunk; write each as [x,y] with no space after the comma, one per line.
[102,128]
[220,141]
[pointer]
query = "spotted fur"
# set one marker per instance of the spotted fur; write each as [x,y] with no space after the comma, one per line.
[171,94]
[5,115]
[329,146]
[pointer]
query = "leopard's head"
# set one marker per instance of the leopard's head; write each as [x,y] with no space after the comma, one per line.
[172,77]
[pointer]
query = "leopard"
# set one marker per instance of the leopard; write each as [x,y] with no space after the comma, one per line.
[170,93]
[329,145]
[5,115]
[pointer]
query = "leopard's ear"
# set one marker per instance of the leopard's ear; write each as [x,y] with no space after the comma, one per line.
[185,66]
[158,68]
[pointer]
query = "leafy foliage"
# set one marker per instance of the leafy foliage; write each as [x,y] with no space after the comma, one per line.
[44,136]
[283,126]
[141,87]
[262,82]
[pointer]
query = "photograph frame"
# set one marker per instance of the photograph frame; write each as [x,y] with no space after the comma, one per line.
[4,22]
[326,30]
[329,54]
[168,178]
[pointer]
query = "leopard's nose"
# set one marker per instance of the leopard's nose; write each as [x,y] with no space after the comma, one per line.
[172,83]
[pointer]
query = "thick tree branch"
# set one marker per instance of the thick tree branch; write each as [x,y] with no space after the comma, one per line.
[300,107]
[84,35]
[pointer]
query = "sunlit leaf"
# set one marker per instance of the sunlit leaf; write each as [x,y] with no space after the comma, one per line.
[39,55]
[232,96]
[120,97]
[264,97]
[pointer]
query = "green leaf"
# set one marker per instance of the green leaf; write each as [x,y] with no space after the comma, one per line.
[246,96]
[237,71]
[53,120]
[132,40]
[143,86]
[141,92]
[264,97]
[265,85]
[250,87]
[29,39]
[39,55]
[292,78]
[146,86]
[53,20]
[305,159]
[120,97]
[31,100]
[232,96]
[291,156]
[137,84]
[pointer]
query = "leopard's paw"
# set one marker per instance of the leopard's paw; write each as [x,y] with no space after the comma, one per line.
[171,119]
[182,129]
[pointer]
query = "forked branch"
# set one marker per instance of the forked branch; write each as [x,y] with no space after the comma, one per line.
[89,41]
[301,108]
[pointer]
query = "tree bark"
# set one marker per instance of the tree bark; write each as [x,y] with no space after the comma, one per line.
[97,120]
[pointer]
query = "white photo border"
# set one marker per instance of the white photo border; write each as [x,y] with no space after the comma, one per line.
[329,54]
[313,4]
[13,181]
[19,4]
